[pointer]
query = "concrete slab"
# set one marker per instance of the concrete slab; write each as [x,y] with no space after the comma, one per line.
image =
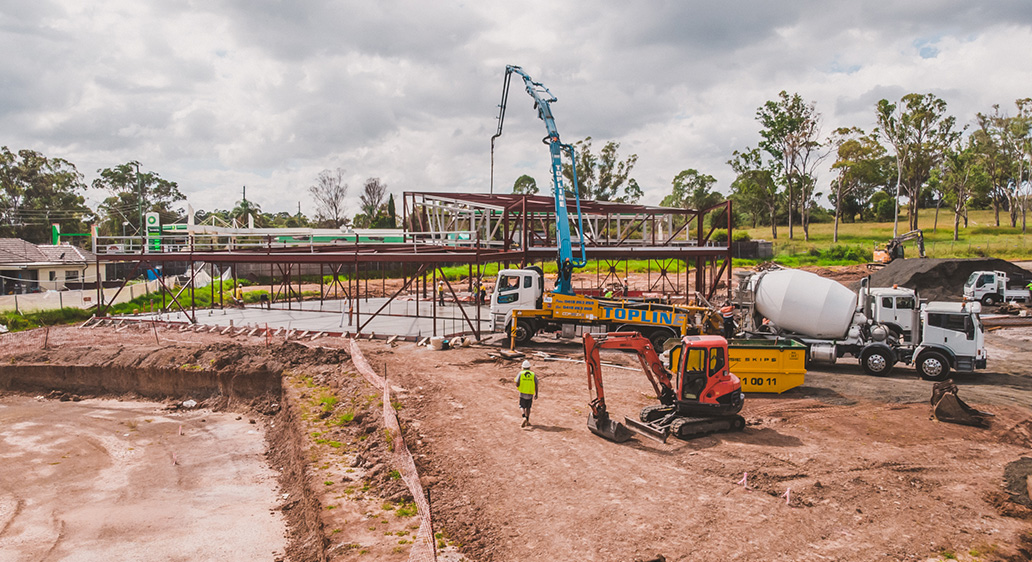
[399,317]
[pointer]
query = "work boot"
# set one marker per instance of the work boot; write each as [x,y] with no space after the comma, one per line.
[525,422]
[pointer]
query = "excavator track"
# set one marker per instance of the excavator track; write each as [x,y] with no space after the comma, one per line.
[688,428]
[654,412]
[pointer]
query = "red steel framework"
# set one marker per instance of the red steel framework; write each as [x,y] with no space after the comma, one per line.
[473,229]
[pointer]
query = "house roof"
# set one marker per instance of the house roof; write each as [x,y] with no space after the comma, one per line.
[66,253]
[15,251]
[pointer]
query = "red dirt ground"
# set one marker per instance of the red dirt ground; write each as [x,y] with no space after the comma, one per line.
[872,477]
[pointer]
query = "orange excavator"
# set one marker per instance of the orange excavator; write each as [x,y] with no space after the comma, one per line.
[700,397]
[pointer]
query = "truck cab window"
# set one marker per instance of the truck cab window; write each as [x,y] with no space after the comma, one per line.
[528,282]
[986,279]
[905,303]
[509,283]
[953,322]
[886,302]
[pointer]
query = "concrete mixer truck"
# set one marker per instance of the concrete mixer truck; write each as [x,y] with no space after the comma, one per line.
[878,326]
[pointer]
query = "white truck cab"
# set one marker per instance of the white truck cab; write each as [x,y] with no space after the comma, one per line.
[994,287]
[515,289]
[952,336]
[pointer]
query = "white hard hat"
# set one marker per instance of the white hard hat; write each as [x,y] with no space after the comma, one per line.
[526,364]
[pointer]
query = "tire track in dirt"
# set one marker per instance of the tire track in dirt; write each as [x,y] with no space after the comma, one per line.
[10,507]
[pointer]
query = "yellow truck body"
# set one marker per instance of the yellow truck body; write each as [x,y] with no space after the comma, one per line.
[585,310]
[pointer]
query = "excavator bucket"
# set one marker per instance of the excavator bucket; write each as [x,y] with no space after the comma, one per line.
[605,427]
[952,409]
[650,430]
[948,407]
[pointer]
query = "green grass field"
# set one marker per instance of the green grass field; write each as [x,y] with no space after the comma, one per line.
[980,239]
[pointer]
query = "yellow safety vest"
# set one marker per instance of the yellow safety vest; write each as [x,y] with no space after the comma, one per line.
[526,383]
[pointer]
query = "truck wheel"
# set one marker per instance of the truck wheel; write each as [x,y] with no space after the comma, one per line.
[933,367]
[989,300]
[876,361]
[524,331]
[659,337]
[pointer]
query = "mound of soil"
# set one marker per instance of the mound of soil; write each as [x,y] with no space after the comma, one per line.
[1016,475]
[939,279]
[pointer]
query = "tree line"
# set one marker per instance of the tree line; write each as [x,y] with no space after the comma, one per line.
[37,191]
[915,154]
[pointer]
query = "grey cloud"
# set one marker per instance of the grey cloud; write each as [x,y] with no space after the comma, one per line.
[276,91]
[298,30]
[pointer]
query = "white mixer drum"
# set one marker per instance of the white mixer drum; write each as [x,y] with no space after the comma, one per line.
[805,303]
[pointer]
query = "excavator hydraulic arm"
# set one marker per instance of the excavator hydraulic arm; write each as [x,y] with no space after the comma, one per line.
[599,421]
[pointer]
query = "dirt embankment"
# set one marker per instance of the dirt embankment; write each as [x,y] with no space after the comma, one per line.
[217,370]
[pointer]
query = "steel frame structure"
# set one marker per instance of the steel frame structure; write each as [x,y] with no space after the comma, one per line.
[473,229]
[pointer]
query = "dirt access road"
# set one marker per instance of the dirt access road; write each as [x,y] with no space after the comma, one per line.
[868,475]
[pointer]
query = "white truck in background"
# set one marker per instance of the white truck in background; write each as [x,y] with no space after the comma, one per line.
[878,326]
[994,287]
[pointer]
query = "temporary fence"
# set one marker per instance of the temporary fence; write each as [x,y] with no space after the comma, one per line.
[423,547]
[86,298]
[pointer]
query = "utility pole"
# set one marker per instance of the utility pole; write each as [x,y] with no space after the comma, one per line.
[139,186]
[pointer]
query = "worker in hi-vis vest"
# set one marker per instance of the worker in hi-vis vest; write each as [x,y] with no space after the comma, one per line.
[527,384]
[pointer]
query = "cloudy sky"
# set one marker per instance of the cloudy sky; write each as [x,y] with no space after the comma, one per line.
[219,94]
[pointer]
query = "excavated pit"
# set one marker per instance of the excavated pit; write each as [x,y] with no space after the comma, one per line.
[102,457]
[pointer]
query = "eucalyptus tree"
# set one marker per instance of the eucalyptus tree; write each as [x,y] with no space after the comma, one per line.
[37,191]
[330,192]
[859,163]
[603,176]
[133,193]
[525,185]
[919,130]
[957,177]
[755,188]
[791,136]
[373,194]
[1004,143]
[692,190]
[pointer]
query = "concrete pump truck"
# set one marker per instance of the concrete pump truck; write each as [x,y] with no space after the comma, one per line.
[520,304]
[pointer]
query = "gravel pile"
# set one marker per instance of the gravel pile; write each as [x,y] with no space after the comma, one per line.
[940,279]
